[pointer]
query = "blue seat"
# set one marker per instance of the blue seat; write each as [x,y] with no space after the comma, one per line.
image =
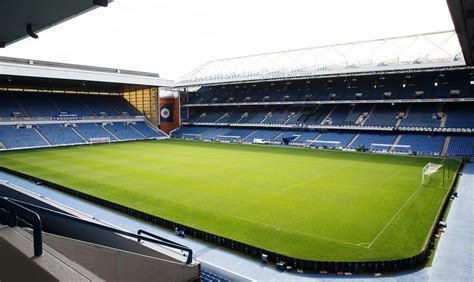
[423,144]
[15,138]
[461,145]
[60,135]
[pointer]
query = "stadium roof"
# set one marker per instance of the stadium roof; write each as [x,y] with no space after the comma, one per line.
[16,73]
[462,13]
[22,18]
[419,51]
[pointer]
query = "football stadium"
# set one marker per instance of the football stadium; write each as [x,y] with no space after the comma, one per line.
[295,165]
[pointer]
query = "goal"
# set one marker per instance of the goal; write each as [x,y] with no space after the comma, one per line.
[399,149]
[428,171]
[190,136]
[320,143]
[228,138]
[99,140]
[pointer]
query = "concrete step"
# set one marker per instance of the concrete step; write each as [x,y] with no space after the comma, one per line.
[446,146]
[17,254]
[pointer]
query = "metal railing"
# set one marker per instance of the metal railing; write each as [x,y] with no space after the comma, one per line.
[169,243]
[14,209]
[158,240]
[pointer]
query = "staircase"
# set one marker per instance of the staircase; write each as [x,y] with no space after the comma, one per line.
[329,114]
[443,120]
[269,114]
[446,146]
[19,263]
[353,140]
[312,113]
[106,129]
[133,128]
[88,108]
[368,116]
[80,135]
[297,114]
[53,103]
[68,252]
[397,140]
[2,145]
[24,110]
[42,136]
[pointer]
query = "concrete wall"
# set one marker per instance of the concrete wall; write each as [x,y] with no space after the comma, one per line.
[17,262]
[117,265]
[106,254]
[77,230]
[15,266]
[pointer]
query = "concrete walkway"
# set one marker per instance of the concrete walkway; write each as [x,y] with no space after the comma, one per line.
[454,258]
[453,261]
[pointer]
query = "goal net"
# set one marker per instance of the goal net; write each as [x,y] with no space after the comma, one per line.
[324,144]
[99,140]
[399,149]
[428,171]
[190,136]
[228,138]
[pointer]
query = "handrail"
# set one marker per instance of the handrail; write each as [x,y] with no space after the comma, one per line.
[16,209]
[176,245]
[111,229]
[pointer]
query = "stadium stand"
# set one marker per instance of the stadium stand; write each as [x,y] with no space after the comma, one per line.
[342,137]
[213,133]
[461,146]
[372,87]
[423,144]
[189,132]
[306,136]
[72,104]
[37,105]
[60,135]
[422,115]
[460,115]
[21,137]
[262,134]
[122,106]
[93,130]
[235,134]
[8,106]
[385,115]
[146,130]
[60,115]
[100,105]
[123,131]
[418,109]
[366,139]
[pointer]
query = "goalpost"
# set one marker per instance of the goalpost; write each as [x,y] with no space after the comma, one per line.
[428,170]
[399,149]
[228,138]
[320,143]
[99,140]
[190,136]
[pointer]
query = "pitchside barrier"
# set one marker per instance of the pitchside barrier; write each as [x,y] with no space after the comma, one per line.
[255,252]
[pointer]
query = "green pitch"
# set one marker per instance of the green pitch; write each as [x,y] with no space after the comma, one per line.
[309,204]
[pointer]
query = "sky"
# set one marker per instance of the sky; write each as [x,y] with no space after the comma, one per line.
[173,37]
